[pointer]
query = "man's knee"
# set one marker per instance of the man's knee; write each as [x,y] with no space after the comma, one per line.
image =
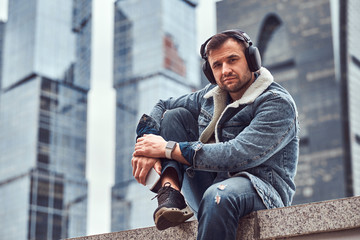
[175,115]
[230,193]
[217,194]
[179,125]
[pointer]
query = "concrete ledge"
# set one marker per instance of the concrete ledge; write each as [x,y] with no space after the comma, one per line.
[300,220]
[335,219]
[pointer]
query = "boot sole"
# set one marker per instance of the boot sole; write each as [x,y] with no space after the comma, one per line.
[171,217]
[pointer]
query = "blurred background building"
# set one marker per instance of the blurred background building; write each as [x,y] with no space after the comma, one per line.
[45,77]
[2,25]
[155,56]
[349,51]
[310,48]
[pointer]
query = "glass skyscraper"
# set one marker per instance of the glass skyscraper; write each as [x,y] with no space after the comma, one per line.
[155,57]
[45,79]
[311,49]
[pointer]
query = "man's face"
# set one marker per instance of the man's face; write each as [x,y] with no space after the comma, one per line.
[230,68]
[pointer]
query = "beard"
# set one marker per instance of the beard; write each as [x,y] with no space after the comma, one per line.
[237,84]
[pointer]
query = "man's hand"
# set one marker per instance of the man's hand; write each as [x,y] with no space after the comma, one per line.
[142,165]
[148,149]
[150,145]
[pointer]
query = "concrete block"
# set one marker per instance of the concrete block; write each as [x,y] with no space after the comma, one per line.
[334,219]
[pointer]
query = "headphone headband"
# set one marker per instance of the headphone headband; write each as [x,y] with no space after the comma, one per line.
[234,33]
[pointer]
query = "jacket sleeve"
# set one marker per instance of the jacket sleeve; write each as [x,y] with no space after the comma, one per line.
[274,125]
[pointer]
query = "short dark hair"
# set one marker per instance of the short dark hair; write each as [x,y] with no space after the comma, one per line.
[219,39]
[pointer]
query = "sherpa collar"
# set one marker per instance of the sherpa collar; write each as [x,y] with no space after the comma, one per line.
[220,99]
[258,87]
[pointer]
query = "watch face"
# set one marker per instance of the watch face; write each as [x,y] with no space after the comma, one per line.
[170,144]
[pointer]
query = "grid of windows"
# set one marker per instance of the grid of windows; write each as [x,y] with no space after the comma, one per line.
[122,48]
[46,204]
[62,128]
[81,25]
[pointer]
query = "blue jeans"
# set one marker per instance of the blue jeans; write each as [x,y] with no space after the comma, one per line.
[218,201]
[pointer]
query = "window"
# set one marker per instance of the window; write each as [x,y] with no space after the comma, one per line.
[58,195]
[356,61]
[44,135]
[56,230]
[41,225]
[357,138]
[43,158]
[43,192]
[271,23]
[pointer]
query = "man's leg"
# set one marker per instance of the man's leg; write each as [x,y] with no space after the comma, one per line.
[223,204]
[180,126]
[176,125]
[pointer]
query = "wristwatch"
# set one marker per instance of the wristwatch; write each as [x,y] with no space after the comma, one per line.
[170,146]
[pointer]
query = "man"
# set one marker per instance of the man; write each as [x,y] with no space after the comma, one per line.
[231,148]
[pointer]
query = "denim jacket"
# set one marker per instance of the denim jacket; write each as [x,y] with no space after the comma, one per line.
[255,136]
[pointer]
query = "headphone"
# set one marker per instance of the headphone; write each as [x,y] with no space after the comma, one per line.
[252,53]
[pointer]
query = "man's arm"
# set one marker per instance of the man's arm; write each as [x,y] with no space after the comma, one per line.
[268,132]
[154,146]
[151,125]
[274,126]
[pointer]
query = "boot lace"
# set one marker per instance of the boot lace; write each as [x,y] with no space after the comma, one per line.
[163,193]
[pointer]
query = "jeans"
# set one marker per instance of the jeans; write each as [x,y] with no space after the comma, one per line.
[218,201]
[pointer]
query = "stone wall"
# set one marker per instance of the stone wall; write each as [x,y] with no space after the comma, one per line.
[335,219]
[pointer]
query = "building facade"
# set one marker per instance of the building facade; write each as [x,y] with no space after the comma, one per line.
[43,113]
[155,57]
[2,28]
[351,75]
[299,45]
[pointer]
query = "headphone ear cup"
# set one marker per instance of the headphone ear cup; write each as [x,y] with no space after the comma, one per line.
[208,72]
[253,58]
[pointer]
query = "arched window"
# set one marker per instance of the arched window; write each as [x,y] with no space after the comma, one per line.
[273,44]
[269,27]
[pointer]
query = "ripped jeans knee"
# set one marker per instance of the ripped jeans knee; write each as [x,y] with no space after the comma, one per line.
[223,204]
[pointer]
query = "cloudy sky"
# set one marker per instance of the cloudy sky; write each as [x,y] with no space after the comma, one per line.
[101,111]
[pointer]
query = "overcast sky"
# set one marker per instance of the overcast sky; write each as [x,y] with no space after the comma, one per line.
[101,107]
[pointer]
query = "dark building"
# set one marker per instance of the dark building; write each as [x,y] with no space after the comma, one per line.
[302,43]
